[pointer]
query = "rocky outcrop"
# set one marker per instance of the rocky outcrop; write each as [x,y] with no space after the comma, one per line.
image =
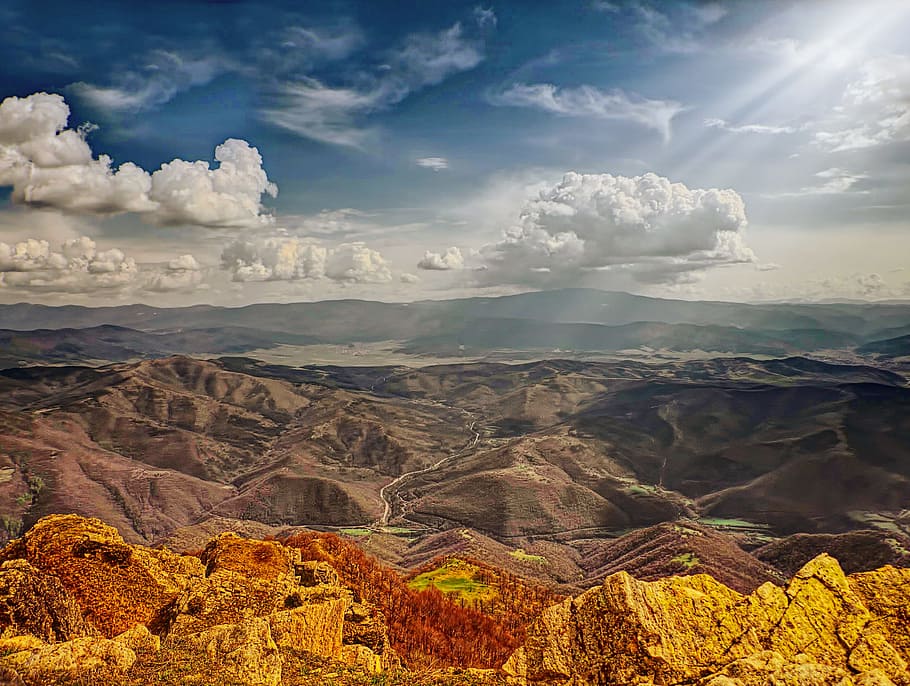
[75,598]
[822,629]
[115,585]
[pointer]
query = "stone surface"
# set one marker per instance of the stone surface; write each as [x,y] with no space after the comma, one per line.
[680,630]
[73,658]
[140,640]
[36,603]
[243,653]
[116,585]
[316,624]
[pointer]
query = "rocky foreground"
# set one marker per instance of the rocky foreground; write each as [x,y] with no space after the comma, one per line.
[80,606]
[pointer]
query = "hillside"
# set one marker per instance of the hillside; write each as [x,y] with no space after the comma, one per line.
[539,465]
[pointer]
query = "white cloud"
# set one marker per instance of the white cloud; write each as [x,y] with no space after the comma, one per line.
[434,261]
[331,114]
[180,274]
[49,165]
[645,227]
[294,259]
[77,267]
[681,33]
[406,277]
[434,163]
[833,181]
[605,6]
[588,101]
[228,196]
[875,109]
[163,76]
[748,128]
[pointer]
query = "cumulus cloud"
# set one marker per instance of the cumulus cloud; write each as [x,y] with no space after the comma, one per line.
[294,259]
[331,114]
[406,277]
[434,163]
[748,128]
[645,227]
[588,101]
[180,274]
[434,261]
[49,165]
[875,109]
[77,267]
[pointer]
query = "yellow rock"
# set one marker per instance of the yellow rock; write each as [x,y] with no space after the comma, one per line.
[242,653]
[681,630]
[71,658]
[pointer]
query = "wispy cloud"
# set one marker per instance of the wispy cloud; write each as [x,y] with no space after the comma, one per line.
[748,128]
[875,109]
[333,113]
[159,80]
[833,181]
[680,33]
[588,101]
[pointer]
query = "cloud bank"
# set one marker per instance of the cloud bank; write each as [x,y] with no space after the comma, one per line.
[50,165]
[295,259]
[79,267]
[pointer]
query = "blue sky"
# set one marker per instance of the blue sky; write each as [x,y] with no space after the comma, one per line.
[284,151]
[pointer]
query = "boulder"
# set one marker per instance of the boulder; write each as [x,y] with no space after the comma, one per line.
[316,624]
[71,659]
[115,585]
[242,653]
[36,603]
[243,579]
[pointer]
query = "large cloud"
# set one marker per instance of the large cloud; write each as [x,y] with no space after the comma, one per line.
[294,259]
[49,165]
[646,226]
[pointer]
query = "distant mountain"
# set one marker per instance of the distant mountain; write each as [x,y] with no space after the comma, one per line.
[117,343]
[577,320]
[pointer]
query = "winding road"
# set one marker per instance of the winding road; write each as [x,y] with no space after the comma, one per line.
[389,491]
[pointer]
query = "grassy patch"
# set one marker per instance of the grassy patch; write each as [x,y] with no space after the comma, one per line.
[687,560]
[355,532]
[455,578]
[520,554]
[642,489]
[720,522]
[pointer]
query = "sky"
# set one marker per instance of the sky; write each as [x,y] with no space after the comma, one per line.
[231,152]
